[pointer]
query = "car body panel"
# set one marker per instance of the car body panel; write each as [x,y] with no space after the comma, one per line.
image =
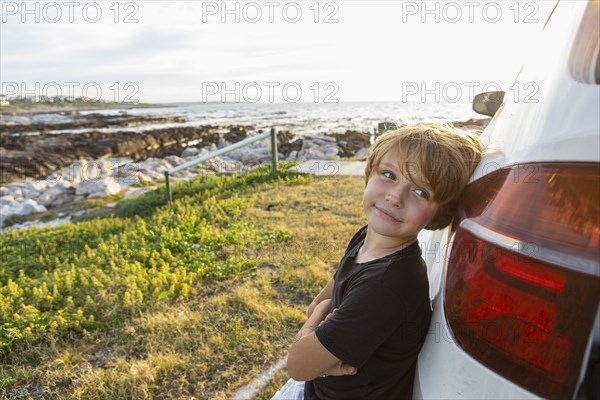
[520,132]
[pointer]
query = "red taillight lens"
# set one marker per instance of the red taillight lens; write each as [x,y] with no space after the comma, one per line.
[523,279]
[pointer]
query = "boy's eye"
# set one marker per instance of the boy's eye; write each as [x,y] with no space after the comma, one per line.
[422,193]
[388,174]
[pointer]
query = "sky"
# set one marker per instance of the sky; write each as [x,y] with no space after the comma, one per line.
[266,51]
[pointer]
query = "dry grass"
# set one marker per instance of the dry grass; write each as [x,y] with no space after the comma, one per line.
[219,338]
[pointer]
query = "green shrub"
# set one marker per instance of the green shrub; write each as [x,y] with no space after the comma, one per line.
[75,279]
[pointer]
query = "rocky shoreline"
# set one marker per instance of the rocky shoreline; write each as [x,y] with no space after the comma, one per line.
[76,120]
[42,170]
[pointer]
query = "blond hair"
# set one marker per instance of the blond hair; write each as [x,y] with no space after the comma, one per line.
[443,156]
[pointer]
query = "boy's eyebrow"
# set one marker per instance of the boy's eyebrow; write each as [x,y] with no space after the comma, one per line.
[388,165]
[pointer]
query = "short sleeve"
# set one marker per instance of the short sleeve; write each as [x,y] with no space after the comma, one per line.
[369,314]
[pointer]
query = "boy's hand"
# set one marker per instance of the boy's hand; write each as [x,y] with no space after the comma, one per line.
[320,312]
[339,369]
[328,317]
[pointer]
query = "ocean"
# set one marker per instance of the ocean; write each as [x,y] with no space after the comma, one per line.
[299,118]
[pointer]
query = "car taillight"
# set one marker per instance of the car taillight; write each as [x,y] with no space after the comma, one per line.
[523,279]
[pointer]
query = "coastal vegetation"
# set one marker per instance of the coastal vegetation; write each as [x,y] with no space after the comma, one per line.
[190,299]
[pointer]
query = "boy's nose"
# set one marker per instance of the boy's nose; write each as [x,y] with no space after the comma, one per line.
[394,199]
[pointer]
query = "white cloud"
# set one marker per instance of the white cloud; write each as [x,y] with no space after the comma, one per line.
[373,49]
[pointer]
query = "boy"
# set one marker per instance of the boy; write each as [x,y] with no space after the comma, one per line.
[366,327]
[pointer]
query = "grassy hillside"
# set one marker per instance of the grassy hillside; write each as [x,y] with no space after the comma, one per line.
[188,300]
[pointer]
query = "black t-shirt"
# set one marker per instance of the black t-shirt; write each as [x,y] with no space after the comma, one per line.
[382,319]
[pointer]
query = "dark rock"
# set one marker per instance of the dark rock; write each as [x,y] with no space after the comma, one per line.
[236,134]
[38,156]
[92,121]
[352,141]
[285,145]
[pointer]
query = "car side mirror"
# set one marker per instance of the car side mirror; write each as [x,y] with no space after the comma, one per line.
[488,103]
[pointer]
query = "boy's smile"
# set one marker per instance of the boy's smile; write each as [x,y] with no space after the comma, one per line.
[396,208]
[386,214]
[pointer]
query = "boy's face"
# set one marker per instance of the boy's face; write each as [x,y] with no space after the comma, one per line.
[397,209]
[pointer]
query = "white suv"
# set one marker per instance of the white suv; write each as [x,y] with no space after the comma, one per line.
[515,286]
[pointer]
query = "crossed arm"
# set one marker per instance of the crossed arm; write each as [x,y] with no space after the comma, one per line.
[307,357]
[325,294]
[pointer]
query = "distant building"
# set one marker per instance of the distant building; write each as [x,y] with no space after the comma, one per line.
[33,99]
[4,100]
